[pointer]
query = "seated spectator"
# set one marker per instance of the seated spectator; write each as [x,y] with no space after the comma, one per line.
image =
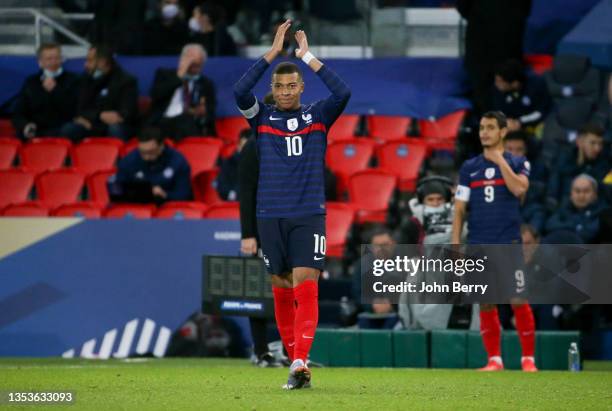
[383,247]
[523,99]
[90,62]
[588,157]
[432,212]
[183,100]
[533,211]
[108,101]
[162,171]
[167,33]
[227,180]
[207,29]
[48,99]
[581,213]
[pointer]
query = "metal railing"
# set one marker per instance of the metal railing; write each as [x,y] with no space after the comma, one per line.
[41,20]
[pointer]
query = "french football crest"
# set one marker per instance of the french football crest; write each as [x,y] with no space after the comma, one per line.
[490,173]
[292,124]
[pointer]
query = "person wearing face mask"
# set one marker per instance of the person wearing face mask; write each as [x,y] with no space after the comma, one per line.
[206,29]
[183,100]
[167,33]
[48,99]
[108,101]
[163,170]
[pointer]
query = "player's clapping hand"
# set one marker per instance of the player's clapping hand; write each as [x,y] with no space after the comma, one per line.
[302,42]
[279,38]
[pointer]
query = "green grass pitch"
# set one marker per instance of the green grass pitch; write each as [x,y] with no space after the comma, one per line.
[220,384]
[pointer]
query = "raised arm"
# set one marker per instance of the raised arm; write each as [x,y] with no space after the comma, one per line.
[246,100]
[340,93]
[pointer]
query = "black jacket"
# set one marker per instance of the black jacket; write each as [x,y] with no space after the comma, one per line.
[117,91]
[47,110]
[166,82]
[165,40]
[248,175]
[217,43]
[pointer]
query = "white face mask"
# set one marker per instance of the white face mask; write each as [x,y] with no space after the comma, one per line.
[434,210]
[194,24]
[170,11]
[53,74]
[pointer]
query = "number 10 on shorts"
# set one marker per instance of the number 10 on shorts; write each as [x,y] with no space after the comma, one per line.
[319,247]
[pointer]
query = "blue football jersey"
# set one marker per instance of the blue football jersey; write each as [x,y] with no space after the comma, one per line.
[291,148]
[493,211]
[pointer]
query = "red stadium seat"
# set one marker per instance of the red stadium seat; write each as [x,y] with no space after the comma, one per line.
[15,186]
[539,63]
[370,192]
[228,150]
[97,187]
[26,209]
[44,154]
[182,210]
[386,128]
[128,147]
[91,156]
[446,127]
[201,153]
[55,188]
[343,128]
[203,185]
[79,209]
[8,150]
[346,157]
[225,210]
[229,128]
[139,211]
[6,128]
[404,160]
[338,223]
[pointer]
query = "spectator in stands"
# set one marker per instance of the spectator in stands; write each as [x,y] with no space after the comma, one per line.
[108,101]
[207,29]
[581,213]
[48,99]
[524,100]
[383,247]
[183,100]
[494,34]
[432,213]
[162,169]
[90,61]
[167,33]
[228,180]
[120,23]
[588,156]
[533,211]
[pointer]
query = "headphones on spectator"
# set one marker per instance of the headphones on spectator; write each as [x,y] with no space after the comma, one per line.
[446,182]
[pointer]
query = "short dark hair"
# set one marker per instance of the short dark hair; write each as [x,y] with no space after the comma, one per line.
[502,121]
[377,230]
[287,67]
[47,46]
[511,71]
[528,228]
[592,128]
[105,52]
[149,134]
[517,135]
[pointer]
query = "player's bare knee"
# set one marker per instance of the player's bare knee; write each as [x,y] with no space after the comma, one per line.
[282,280]
[301,274]
[487,307]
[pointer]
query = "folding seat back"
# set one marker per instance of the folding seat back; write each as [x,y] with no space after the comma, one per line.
[15,186]
[58,187]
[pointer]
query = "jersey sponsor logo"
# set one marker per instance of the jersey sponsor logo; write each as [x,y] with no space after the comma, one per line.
[319,258]
[292,124]
[139,175]
[168,172]
[490,173]
[474,174]
[275,118]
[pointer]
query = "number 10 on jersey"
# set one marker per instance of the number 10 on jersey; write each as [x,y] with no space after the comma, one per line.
[294,145]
